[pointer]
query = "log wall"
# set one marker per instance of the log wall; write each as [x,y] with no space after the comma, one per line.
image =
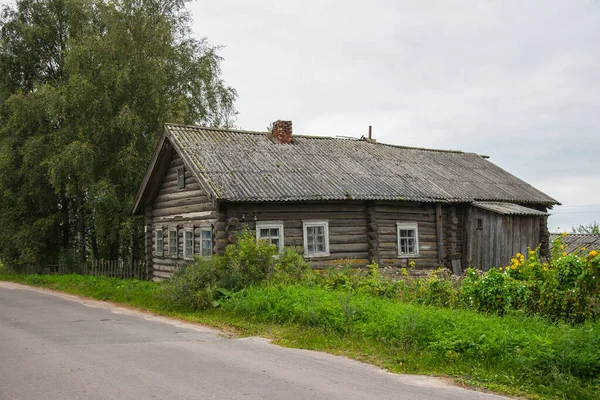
[388,213]
[348,242]
[183,208]
[453,221]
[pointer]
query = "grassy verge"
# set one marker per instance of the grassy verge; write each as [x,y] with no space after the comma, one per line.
[515,355]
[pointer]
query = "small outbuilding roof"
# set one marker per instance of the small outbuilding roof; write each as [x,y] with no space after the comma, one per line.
[250,166]
[507,208]
[575,241]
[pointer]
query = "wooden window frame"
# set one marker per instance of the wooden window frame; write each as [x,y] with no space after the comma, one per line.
[407,226]
[176,236]
[185,244]
[315,223]
[202,230]
[181,178]
[159,251]
[271,225]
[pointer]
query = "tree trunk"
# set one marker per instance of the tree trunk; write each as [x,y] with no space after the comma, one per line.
[81,224]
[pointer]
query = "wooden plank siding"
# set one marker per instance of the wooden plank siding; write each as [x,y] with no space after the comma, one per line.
[500,237]
[189,207]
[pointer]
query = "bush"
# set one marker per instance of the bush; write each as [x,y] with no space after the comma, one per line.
[206,282]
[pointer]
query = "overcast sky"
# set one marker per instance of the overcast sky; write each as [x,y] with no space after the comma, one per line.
[516,80]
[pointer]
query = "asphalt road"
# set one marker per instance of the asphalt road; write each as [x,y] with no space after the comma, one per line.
[55,346]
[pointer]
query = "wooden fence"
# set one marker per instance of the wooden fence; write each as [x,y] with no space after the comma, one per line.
[123,269]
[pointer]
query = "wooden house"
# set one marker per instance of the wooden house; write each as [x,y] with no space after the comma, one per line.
[337,200]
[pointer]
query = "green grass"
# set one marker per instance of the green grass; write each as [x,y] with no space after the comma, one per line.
[513,354]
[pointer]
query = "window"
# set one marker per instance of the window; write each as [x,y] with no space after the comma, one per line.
[173,243]
[272,232]
[316,238]
[479,224]
[408,239]
[206,247]
[180,178]
[188,243]
[159,242]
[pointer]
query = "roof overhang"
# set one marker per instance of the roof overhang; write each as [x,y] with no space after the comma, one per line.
[160,149]
[507,208]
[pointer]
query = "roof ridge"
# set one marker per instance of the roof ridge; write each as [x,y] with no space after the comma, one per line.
[362,139]
[209,128]
[575,234]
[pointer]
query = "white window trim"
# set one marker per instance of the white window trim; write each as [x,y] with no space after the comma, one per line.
[311,223]
[271,225]
[407,225]
[176,231]
[206,229]
[159,252]
[185,257]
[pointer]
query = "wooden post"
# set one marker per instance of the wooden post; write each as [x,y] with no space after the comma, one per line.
[439,234]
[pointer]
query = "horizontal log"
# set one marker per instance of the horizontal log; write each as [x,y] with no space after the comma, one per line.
[175,163]
[393,218]
[189,200]
[348,230]
[394,203]
[165,268]
[296,208]
[173,262]
[180,195]
[349,248]
[171,175]
[175,211]
[167,188]
[384,210]
[159,276]
[299,215]
[347,239]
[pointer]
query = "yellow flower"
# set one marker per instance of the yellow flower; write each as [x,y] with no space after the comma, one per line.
[593,253]
[565,233]
[583,248]
[531,252]
[564,254]
[519,255]
[562,246]
[500,268]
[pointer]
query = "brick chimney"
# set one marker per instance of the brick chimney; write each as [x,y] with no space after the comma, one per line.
[282,130]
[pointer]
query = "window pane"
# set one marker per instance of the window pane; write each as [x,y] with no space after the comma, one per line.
[264,232]
[275,242]
[206,244]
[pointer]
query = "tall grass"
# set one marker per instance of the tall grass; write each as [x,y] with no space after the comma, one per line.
[554,359]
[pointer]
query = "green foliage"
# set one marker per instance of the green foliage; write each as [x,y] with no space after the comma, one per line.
[206,282]
[142,294]
[590,229]
[85,89]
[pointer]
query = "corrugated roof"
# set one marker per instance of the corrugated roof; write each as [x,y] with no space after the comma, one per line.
[575,241]
[249,166]
[507,208]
